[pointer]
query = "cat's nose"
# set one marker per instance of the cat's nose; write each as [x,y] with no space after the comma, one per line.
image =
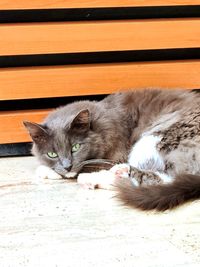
[67,164]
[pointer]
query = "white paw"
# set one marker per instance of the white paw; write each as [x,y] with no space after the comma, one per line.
[103,179]
[87,180]
[44,172]
[121,170]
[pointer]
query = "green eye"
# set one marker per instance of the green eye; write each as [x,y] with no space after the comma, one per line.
[52,155]
[75,147]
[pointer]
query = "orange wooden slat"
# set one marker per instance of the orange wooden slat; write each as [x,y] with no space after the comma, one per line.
[12,129]
[67,37]
[24,4]
[38,82]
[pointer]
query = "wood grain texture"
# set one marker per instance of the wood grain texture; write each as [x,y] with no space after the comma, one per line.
[67,37]
[12,129]
[39,82]
[24,4]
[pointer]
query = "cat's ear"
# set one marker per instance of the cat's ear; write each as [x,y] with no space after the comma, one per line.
[81,122]
[37,132]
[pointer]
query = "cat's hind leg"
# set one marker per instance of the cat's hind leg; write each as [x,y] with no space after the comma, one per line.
[143,177]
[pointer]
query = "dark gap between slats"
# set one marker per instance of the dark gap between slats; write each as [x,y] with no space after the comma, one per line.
[19,149]
[88,14]
[44,103]
[99,57]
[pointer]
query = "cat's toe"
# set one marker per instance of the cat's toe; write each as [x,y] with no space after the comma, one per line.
[86,181]
[44,172]
[121,170]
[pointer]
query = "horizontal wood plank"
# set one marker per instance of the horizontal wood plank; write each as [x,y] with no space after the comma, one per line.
[24,4]
[40,82]
[12,129]
[69,37]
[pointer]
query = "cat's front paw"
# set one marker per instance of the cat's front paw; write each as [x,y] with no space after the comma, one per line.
[44,172]
[87,180]
[103,179]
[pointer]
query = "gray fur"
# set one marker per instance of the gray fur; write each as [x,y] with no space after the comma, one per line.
[109,129]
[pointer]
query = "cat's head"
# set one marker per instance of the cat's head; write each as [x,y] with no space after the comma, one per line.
[62,144]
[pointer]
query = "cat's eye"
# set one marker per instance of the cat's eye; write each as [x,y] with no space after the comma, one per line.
[75,147]
[52,155]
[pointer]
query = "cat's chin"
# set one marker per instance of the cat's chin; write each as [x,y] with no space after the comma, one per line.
[70,175]
[66,174]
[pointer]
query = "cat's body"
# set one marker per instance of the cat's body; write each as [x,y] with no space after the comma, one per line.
[157,132]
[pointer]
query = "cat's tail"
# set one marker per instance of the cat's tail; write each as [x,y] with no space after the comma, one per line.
[161,197]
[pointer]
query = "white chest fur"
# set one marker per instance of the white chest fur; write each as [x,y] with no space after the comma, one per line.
[144,154]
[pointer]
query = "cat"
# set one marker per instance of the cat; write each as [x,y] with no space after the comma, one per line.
[155,133]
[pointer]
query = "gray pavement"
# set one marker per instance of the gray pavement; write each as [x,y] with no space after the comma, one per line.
[59,224]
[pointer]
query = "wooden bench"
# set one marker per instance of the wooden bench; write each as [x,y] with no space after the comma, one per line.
[52,49]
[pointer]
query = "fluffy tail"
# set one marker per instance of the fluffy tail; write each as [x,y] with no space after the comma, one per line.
[185,188]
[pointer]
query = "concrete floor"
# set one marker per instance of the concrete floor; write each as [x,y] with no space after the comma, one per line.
[60,224]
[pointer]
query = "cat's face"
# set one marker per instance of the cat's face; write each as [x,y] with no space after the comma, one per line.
[61,148]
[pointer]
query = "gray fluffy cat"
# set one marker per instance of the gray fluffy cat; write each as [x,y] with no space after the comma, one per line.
[156,132]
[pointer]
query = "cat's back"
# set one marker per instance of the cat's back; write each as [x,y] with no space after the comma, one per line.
[157,99]
[148,100]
